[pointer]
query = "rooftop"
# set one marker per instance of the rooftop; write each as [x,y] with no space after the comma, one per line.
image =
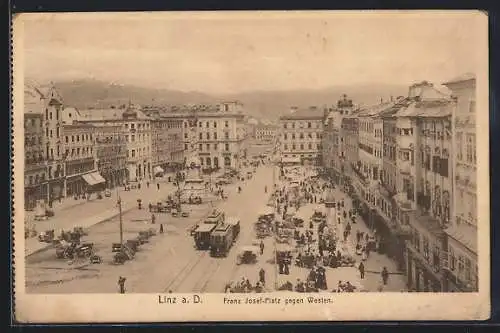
[313,114]
[465,234]
[107,114]
[428,222]
[461,78]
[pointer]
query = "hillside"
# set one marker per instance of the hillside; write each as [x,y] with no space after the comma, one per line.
[259,104]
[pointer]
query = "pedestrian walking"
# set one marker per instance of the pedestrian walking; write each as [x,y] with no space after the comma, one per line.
[361,270]
[147,184]
[161,228]
[121,284]
[261,247]
[158,186]
[385,275]
[153,218]
[262,276]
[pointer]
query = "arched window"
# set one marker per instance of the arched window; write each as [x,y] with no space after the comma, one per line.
[208,161]
[227,161]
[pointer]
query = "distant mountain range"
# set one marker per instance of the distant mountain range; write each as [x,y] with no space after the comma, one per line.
[259,104]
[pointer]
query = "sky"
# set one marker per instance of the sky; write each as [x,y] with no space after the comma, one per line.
[236,52]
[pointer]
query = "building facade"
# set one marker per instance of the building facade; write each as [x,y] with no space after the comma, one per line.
[349,135]
[111,154]
[35,177]
[80,159]
[138,135]
[265,133]
[301,135]
[461,265]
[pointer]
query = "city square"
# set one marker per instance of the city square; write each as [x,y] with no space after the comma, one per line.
[135,187]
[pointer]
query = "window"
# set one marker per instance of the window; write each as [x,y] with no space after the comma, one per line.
[417,240]
[459,146]
[286,146]
[185,146]
[472,106]
[215,135]
[226,146]
[67,139]
[215,124]
[293,125]
[208,146]
[200,136]
[185,135]
[226,123]
[207,124]
[226,135]
[293,136]
[133,152]
[133,138]
[468,270]
[309,125]
[294,147]
[452,259]
[284,126]
[301,135]
[200,147]
[216,147]
[301,146]
[208,136]
[200,124]
[309,146]
[461,266]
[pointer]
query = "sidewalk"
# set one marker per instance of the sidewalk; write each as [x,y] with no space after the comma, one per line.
[376,261]
[96,211]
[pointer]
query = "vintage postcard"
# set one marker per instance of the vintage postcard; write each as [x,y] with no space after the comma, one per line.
[251,166]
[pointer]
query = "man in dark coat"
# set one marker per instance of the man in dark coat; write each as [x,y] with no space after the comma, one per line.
[362,270]
[121,283]
[262,276]
[385,275]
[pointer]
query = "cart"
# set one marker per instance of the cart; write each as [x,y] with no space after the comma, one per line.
[247,255]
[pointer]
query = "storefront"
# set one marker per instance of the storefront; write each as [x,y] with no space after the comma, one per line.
[421,276]
[85,184]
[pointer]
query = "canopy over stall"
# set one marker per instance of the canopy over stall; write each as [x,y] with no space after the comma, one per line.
[158,169]
[93,178]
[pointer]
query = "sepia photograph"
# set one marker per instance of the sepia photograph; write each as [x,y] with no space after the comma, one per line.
[251,166]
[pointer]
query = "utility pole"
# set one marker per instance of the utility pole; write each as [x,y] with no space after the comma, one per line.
[119,203]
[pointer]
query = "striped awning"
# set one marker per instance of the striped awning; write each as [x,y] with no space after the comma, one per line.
[93,178]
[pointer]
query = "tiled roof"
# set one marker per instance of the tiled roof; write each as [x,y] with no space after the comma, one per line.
[465,234]
[374,110]
[461,78]
[428,109]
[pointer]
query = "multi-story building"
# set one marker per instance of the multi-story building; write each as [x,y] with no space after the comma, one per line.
[110,147]
[111,154]
[265,133]
[375,203]
[166,140]
[137,130]
[349,135]
[35,187]
[334,156]
[80,159]
[48,102]
[301,135]
[461,265]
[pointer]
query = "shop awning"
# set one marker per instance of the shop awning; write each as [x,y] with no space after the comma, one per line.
[93,178]
[97,176]
[158,169]
[89,179]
